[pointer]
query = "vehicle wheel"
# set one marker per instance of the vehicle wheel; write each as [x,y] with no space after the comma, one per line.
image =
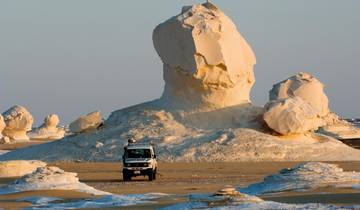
[126,177]
[151,175]
[154,175]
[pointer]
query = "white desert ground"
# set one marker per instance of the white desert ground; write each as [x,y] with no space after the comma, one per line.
[215,149]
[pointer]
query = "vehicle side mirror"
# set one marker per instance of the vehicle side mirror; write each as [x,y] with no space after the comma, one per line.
[154,156]
[123,157]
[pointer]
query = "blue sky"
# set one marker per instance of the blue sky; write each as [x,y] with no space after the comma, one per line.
[73,57]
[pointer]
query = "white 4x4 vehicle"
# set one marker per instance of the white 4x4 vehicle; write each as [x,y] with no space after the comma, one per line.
[139,160]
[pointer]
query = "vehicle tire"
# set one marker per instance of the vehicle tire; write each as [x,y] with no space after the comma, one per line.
[126,176]
[154,175]
[151,175]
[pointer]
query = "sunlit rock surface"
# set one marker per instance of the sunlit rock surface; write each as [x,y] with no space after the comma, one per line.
[305,176]
[49,130]
[18,121]
[86,123]
[2,125]
[305,86]
[292,116]
[18,168]
[207,63]
[49,178]
[338,128]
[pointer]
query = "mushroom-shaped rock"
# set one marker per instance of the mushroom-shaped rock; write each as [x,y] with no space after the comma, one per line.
[2,125]
[291,116]
[18,168]
[85,123]
[305,86]
[207,63]
[18,121]
[48,130]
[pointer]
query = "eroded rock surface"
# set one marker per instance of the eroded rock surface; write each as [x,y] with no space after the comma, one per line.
[338,128]
[305,176]
[49,130]
[292,116]
[49,178]
[305,86]
[87,122]
[2,125]
[207,63]
[18,121]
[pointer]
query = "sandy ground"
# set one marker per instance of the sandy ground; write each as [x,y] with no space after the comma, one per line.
[18,145]
[180,179]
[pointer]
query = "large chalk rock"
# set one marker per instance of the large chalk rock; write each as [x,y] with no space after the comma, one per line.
[18,121]
[85,123]
[207,63]
[305,86]
[291,116]
[49,130]
[2,125]
[17,168]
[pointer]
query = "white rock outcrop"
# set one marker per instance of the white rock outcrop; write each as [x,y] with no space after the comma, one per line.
[49,130]
[18,121]
[338,128]
[49,178]
[305,176]
[305,86]
[291,116]
[87,122]
[2,125]
[18,168]
[207,63]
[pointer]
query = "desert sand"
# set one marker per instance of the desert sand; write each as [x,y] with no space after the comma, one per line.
[181,179]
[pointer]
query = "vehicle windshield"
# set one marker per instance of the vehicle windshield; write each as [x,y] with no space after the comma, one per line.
[138,153]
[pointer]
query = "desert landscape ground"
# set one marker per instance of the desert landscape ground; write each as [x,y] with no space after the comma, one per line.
[178,180]
[202,144]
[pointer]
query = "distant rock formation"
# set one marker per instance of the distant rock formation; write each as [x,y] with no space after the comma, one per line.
[305,86]
[18,121]
[292,116]
[86,123]
[49,130]
[207,63]
[338,128]
[2,125]
[311,90]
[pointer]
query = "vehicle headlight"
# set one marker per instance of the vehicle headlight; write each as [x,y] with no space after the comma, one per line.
[146,164]
[127,164]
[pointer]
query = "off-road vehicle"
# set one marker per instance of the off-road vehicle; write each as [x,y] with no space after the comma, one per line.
[139,160]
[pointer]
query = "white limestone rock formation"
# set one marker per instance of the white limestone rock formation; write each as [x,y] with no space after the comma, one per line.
[86,123]
[204,113]
[291,116]
[2,125]
[310,89]
[49,130]
[305,86]
[18,168]
[207,63]
[305,176]
[338,128]
[18,121]
[49,178]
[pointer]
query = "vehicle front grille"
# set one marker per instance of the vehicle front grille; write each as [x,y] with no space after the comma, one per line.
[138,164]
